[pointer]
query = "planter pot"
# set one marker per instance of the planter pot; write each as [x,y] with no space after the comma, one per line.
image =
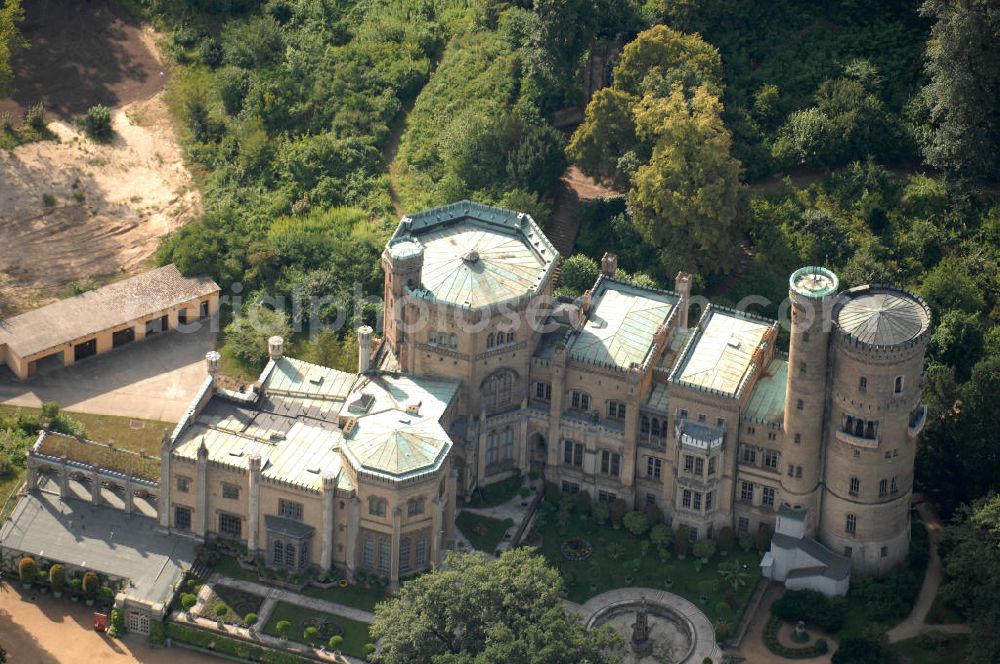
[681,556]
[668,584]
[75,598]
[90,602]
[26,586]
[704,561]
[57,593]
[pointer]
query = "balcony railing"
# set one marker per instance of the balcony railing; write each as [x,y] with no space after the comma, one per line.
[857,441]
[918,418]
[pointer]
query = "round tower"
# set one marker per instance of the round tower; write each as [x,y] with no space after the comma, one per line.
[812,292]
[402,263]
[880,333]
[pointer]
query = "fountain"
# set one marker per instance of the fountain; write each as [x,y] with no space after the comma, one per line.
[641,645]
[653,632]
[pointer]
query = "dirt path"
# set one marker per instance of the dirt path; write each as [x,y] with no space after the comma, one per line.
[916,623]
[82,53]
[75,210]
[51,631]
[574,188]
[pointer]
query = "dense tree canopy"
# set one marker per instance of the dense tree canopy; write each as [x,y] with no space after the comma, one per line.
[474,610]
[963,60]
[971,548]
[685,200]
[11,15]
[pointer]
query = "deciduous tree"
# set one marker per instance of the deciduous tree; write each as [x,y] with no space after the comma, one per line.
[476,610]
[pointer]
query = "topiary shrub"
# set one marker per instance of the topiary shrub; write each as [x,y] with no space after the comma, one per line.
[368,650]
[581,503]
[682,543]
[704,549]
[57,578]
[725,540]
[746,542]
[310,633]
[763,538]
[27,570]
[97,123]
[601,513]
[636,523]
[811,607]
[250,619]
[654,514]
[117,627]
[188,601]
[335,642]
[90,585]
[661,535]
[618,510]
[283,628]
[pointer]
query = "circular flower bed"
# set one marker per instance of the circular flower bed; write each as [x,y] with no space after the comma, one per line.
[576,549]
[325,627]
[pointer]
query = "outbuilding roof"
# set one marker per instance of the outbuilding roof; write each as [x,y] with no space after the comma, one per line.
[106,307]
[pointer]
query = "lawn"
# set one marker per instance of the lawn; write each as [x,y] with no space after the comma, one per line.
[483,532]
[497,493]
[231,604]
[354,595]
[228,566]
[933,648]
[355,633]
[127,432]
[618,561]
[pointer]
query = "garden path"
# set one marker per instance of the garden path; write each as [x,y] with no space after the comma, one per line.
[752,647]
[282,595]
[916,623]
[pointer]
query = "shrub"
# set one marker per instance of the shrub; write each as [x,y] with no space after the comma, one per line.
[57,577]
[283,628]
[725,540]
[157,633]
[250,619]
[746,542]
[117,627]
[552,493]
[48,200]
[661,535]
[97,123]
[636,523]
[618,510]
[368,650]
[763,539]
[812,607]
[524,492]
[853,650]
[681,541]
[27,570]
[221,611]
[35,117]
[654,514]
[578,273]
[90,585]
[335,642]
[601,513]
[310,633]
[581,503]
[188,601]
[704,548]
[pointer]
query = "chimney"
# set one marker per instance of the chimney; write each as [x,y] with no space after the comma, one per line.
[682,286]
[212,364]
[275,347]
[364,348]
[609,264]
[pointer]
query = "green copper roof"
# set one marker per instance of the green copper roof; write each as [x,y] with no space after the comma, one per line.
[767,401]
[621,324]
[659,398]
[720,355]
[813,281]
[397,444]
[475,255]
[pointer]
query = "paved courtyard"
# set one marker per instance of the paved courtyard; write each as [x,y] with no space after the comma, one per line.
[99,538]
[152,379]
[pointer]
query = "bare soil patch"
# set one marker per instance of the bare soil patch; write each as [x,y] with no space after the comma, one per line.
[77,211]
[82,53]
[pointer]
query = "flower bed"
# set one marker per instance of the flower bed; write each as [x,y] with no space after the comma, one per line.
[576,549]
[771,641]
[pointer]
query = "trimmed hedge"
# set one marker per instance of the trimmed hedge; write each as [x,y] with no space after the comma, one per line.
[820,647]
[226,646]
[811,607]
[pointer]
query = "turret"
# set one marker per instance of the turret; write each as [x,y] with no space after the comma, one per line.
[812,292]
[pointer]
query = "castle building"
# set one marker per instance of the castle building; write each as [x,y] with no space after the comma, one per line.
[480,373]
